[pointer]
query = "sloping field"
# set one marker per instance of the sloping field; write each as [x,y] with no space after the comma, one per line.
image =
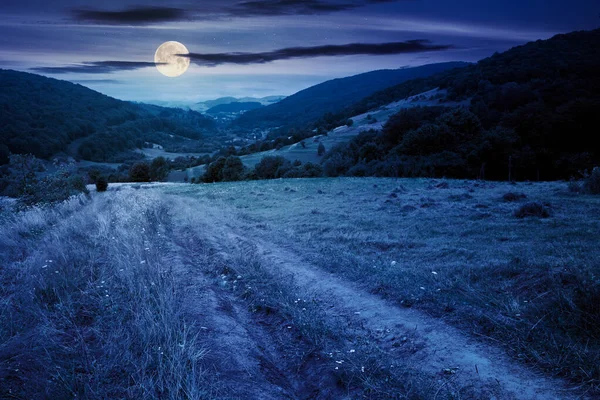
[297,289]
[375,119]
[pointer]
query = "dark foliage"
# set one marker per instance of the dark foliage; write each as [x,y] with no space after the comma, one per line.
[272,167]
[214,170]
[26,179]
[159,169]
[532,115]
[43,116]
[101,184]
[140,172]
[233,170]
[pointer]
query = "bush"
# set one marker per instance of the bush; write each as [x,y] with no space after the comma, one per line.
[233,169]
[139,172]
[591,183]
[271,167]
[101,184]
[159,169]
[214,171]
[533,209]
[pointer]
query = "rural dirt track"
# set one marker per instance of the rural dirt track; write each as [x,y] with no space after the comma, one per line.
[442,350]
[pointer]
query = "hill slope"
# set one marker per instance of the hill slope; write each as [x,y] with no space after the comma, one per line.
[43,116]
[533,110]
[333,96]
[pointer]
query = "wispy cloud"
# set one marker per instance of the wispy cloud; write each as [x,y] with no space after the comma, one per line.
[410,46]
[95,67]
[294,7]
[132,16]
[223,9]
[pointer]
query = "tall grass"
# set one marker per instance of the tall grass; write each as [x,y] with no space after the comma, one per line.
[93,306]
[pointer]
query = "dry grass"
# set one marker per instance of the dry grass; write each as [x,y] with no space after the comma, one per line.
[97,297]
[456,251]
[89,308]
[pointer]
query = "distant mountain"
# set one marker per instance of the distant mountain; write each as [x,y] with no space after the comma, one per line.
[236,107]
[44,116]
[532,110]
[333,96]
[206,105]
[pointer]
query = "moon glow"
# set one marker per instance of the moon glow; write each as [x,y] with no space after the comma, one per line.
[168,62]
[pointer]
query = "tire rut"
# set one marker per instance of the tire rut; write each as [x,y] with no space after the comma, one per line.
[441,350]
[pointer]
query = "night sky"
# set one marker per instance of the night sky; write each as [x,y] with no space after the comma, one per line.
[263,47]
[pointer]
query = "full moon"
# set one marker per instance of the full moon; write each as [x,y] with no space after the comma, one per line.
[168,62]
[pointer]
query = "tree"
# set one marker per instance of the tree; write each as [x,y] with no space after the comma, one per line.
[214,171]
[139,172]
[321,150]
[233,169]
[272,167]
[159,168]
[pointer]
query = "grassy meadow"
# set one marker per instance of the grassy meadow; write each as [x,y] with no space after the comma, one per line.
[178,291]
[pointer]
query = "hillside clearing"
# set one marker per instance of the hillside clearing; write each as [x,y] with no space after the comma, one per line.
[323,288]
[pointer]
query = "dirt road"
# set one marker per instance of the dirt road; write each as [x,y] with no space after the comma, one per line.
[450,357]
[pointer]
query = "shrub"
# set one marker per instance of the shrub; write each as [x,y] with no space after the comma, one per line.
[139,172]
[271,167]
[101,184]
[591,183]
[233,169]
[533,209]
[159,169]
[54,188]
[214,171]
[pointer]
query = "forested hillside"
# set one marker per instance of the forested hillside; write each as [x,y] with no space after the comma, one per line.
[43,116]
[332,96]
[533,113]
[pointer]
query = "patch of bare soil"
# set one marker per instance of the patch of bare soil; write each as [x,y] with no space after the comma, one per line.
[250,355]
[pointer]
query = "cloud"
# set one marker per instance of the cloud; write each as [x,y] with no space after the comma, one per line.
[132,16]
[410,46]
[96,67]
[222,9]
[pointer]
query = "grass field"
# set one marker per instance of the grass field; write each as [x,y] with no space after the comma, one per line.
[321,288]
